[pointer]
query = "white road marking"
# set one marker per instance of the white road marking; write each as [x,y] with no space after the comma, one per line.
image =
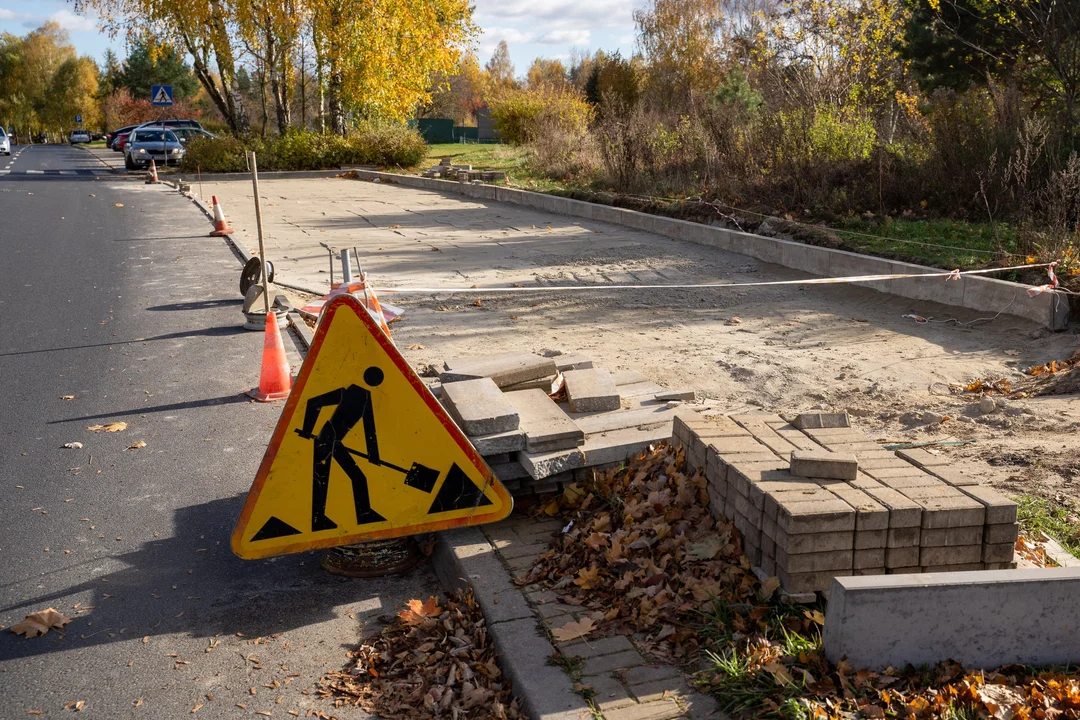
[35,172]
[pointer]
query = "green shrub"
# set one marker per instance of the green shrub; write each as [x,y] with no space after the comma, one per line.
[523,115]
[382,144]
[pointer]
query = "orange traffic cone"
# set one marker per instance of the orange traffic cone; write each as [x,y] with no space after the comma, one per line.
[152,178]
[275,379]
[221,227]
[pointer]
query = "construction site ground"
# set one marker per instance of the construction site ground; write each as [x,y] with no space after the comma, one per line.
[779,348]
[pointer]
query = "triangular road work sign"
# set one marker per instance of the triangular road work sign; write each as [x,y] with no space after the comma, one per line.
[362,451]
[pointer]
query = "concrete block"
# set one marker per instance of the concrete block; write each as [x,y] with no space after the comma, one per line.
[506,442]
[808,582]
[822,420]
[947,511]
[572,361]
[903,537]
[479,407]
[719,426]
[643,416]
[869,558]
[922,458]
[823,464]
[964,567]
[507,472]
[907,471]
[737,445]
[916,570]
[497,458]
[1000,510]
[902,557]
[911,481]
[997,534]
[795,492]
[853,447]
[903,511]
[543,383]
[952,537]
[865,482]
[871,539]
[543,465]
[813,562]
[869,513]
[591,390]
[980,619]
[607,664]
[546,426]
[882,463]
[998,553]
[956,555]
[815,516]
[503,368]
[617,445]
[684,395]
[954,477]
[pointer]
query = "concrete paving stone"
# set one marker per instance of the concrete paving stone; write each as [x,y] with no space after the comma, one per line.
[824,464]
[923,458]
[545,689]
[813,562]
[649,673]
[639,394]
[813,542]
[586,648]
[572,361]
[712,427]
[758,491]
[902,557]
[643,416]
[542,597]
[662,689]
[942,537]
[879,454]
[796,438]
[912,481]
[503,368]
[882,463]
[533,551]
[543,383]
[815,516]
[996,534]
[660,710]
[905,471]
[742,474]
[797,583]
[870,571]
[1000,566]
[520,564]
[501,534]
[777,444]
[853,447]
[818,420]
[980,619]
[869,558]
[1000,510]
[498,458]
[772,499]
[946,512]
[759,418]
[870,539]
[628,377]
[915,570]
[903,537]
[607,664]
[865,482]
[726,445]
[903,511]
[608,693]
[543,465]
[467,554]
[479,407]
[998,553]
[545,424]
[556,609]
[591,390]
[510,471]
[505,442]
[954,477]
[869,513]
[835,434]
[686,395]
[964,567]
[617,445]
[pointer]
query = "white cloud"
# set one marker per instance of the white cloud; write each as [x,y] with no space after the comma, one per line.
[566,37]
[558,14]
[6,15]
[492,35]
[70,21]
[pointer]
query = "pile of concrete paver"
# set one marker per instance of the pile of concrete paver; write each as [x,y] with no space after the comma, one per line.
[462,173]
[532,443]
[816,499]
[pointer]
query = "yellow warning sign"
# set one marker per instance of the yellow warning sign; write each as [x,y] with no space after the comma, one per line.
[362,451]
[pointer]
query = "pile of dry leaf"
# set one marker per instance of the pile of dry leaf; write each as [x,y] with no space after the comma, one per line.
[432,662]
[642,553]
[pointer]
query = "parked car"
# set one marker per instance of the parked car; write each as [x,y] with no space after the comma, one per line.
[78,136]
[5,142]
[156,143]
[186,134]
[121,141]
[173,124]
[111,138]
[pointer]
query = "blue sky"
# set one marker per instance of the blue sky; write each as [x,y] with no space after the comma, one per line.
[549,28]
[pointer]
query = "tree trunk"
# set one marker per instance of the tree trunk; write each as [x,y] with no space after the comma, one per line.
[303,83]
[336,88]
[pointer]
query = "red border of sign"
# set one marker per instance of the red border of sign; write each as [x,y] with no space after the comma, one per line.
[286,418]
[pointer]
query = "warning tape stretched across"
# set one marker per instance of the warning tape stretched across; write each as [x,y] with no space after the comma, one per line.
[948,275]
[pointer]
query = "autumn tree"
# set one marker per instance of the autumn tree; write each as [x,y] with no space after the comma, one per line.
[500,69]
[550,73]
[73,90]
[681,40]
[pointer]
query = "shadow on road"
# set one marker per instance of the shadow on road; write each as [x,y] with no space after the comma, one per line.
[204,332]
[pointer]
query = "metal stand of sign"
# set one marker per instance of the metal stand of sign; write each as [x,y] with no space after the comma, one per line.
[258,223]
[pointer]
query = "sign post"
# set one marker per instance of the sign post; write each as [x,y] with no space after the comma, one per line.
[162,96]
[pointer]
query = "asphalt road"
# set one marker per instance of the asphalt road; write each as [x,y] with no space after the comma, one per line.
[136,313]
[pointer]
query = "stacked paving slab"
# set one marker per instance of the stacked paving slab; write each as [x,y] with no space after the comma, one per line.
[815,499]
[462,173]
[534,444]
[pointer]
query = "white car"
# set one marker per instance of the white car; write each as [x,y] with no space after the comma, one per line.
[78,136]
[5,142]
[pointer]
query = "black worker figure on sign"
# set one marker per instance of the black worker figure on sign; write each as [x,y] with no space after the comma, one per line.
[353,404]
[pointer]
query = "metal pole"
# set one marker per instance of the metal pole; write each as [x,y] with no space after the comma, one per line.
[258,223]
[346,269]
[199,171]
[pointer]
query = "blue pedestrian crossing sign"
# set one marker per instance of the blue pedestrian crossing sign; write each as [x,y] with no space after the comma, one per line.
[161,95]
[78,119]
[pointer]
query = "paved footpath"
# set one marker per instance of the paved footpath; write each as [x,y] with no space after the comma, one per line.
[111,293]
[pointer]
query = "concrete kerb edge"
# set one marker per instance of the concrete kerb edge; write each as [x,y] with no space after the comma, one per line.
[545,691]
[1046,309]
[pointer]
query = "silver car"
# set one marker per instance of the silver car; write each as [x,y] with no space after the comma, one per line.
[156,143]
[5,142]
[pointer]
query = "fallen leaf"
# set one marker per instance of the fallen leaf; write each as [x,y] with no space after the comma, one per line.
[395,226]
[196,708]
[138,703]
[76,705]
[111,427]
[73,445]
[119,204]
[707,549]
[573,630]
[40,623]
[416,346]
[417,612]
[67,397]
[136,446]
[769,587]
